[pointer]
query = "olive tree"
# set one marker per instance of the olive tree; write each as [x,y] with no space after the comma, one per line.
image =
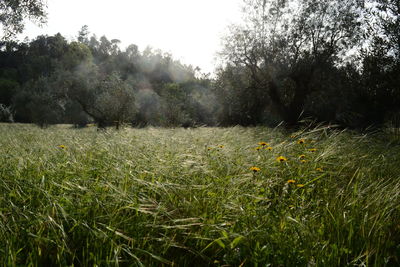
[285,45]
[108,100]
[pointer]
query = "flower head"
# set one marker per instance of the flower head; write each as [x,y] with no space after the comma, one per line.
[258,148]
[312,149]
[319,169]
[263,143]
[300,185]
[303,161]
[291,181]
[255,169]
[281,159]
[62,147]
[301,141]
[302,156]
[268,148]
[221,146]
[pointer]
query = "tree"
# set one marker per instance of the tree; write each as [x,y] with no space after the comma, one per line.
[381,62]
[52,80]
[240,103]
[108,100]
[83,35]
[13,13]
[283,44]
[40,102]
[389,25]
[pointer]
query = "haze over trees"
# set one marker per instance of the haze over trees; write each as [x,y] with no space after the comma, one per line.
[51,80]
[329,61]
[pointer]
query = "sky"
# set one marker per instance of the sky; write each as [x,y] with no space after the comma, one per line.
[190,30]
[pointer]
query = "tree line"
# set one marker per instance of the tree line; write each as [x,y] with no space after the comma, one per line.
[289,60]
[50,80]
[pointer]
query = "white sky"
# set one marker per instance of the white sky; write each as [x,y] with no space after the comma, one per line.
[189,29]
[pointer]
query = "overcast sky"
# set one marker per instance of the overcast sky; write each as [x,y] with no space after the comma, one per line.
[189,29]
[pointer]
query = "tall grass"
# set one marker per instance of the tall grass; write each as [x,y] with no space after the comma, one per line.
[187,197]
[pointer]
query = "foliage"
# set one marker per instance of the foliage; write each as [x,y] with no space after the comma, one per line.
[40,102]
[283,44]
[111,102]
[381,62]
[289,61]
[324,60]
[13,13]
[93,79]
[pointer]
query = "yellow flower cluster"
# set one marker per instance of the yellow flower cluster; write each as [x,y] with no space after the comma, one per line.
[263,145]
[282,159]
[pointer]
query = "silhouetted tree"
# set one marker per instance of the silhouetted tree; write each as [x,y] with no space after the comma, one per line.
[284,43]
[13,13]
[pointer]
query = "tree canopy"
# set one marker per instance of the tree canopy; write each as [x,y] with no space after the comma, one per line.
[51,80]
[13,13]
[289,56]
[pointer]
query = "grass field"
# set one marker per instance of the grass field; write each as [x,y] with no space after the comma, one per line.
[198,197]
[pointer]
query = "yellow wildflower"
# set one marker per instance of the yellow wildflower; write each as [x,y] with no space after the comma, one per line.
[302,156]
[312,149]
[281,159]
[221,146]
[255,169]
[303,161]
[291,181]
[62,146]
[263,143]
[300,185]
[319,169]
[268,148]
[301,141]
[258,148]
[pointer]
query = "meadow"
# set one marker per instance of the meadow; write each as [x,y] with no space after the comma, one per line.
[198,197]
